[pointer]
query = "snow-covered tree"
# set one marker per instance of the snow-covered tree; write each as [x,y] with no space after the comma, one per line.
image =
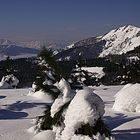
[74,116]
[80,77]
[8,67]
[47,75]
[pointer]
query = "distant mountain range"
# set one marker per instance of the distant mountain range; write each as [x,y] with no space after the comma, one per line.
[116,42]
[23,49]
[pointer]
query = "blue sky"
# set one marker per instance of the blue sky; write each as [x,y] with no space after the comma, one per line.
[64,20]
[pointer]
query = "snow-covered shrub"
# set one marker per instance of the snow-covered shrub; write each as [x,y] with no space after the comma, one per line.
[74,116]
[9,81]
[128,98]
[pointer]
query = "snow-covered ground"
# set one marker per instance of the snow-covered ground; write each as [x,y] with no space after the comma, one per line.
[17,112]
[98,71]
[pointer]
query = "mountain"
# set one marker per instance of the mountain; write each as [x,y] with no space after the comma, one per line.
[39,44]
[9,48]
[116,42]
[24,49]
[121,40]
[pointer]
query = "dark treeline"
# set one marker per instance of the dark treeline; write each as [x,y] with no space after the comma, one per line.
[118,69]
[24,69]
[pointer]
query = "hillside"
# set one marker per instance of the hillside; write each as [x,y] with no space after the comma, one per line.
[9,48]
[116,42]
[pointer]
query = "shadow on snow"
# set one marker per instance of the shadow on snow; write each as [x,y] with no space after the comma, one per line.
[114,122]
[20,105]
[2,97]
[8,114]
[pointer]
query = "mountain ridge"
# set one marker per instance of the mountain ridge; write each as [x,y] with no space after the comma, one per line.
[116,42]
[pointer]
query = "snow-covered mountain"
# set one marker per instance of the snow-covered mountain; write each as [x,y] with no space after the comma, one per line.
[117,41]
[121,40]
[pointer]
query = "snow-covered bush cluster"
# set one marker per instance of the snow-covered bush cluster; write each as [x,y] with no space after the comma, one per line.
[128,98]
[9,81]
[73,116]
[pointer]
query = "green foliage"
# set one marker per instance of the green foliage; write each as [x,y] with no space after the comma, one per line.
[58,118]
[8,67]
[46,120]
[48,56]
[99,127]
[47,73]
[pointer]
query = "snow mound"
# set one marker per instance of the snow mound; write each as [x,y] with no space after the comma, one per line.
[44,135]
[128,98]
[85,108]
[41,95]
[9,81]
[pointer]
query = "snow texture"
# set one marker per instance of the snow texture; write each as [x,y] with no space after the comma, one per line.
[128,98]
[86,107]
[65,96]
[9,81]
[44,135]
[121,40]
[41,95]
[18,110]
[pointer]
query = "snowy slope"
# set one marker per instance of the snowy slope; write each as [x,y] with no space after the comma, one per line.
[121,40]
[117,41]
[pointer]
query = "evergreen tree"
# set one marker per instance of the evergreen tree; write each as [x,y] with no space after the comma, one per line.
[80,77]
[48,73]
[8,67]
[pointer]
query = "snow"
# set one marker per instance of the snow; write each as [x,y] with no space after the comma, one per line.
[121,40]
[19,110]
[43,135]
[41,95]
[86,107]
[65,96]
[70,46]
[16,113]
[98,71]
[128,99]
[9,81]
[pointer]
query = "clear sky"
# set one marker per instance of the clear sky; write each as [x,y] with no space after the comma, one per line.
[64,20]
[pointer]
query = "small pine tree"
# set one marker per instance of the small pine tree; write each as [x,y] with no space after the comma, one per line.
[8,67]
[47,73]
[80,77]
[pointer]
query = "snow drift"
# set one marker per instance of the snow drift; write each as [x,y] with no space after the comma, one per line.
[40,94]
[128,98]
